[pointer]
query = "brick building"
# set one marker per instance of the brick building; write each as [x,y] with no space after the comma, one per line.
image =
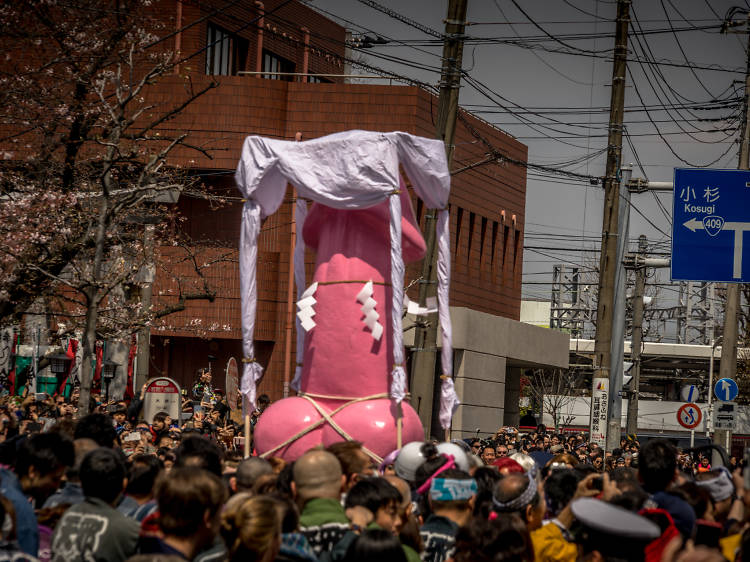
[487,203]
[281,68]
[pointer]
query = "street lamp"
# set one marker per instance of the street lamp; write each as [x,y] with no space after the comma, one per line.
[109,370]
[58,363]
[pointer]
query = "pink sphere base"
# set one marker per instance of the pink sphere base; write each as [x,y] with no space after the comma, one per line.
[373,422]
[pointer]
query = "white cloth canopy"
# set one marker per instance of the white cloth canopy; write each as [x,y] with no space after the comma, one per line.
[349,170]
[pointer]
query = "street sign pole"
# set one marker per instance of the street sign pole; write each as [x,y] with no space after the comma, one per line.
[614,411]
[603,362]
[728,367]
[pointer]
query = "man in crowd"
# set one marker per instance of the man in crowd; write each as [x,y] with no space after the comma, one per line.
[488,454]
[657,470]
[248,472]
[94,529]
[189,500]
[39,466]
[72,491]
[353,460]
[451,500]
[317,485]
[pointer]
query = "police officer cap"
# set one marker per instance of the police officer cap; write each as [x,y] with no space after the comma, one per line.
[606,519]
[611,531]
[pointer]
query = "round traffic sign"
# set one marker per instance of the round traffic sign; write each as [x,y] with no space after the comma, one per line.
[689,415]
[726,390]
[689,392]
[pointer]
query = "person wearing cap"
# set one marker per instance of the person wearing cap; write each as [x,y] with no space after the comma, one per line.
[317,486]
[728,508]
[450,493]
[610,532]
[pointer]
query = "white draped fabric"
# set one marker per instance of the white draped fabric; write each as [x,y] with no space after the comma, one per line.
[398,373]
[349,170]
[448,399]
[300,214]
[251,370]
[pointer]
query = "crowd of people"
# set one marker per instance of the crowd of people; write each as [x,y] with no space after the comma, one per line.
[112,486]
[543,445]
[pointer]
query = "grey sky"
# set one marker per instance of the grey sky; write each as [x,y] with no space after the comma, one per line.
[540,80]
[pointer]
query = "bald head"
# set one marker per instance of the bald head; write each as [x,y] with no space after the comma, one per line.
[510,486]
[249,470]
[401,485]
[317,474]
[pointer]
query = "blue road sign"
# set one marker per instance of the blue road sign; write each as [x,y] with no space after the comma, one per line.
[726,390]
[711,213]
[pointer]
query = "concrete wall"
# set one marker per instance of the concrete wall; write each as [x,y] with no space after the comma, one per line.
[490,353]
[524,345]
[480,384]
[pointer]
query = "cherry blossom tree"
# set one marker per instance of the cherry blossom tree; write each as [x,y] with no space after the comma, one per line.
[85,176]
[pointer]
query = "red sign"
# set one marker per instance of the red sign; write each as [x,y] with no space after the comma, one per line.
[163,386]
[689,415]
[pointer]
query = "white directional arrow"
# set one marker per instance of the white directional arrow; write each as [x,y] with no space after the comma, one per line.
[725,386]
[693,224]
[738,227]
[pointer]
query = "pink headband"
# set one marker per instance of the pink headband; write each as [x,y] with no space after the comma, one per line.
[426,486]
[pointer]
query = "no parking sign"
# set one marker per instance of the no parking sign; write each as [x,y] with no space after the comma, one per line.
[689,415]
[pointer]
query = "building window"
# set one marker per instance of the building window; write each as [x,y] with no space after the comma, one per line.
[313,79]
[226,53]
[273,63]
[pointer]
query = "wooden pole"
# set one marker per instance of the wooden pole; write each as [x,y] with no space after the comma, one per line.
[247,437]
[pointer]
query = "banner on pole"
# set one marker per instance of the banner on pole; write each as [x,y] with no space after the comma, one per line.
[599,406]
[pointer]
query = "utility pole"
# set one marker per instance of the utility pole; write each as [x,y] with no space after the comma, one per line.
[425,337]
[637,337]
[143,353]
[610,227]
[728,367]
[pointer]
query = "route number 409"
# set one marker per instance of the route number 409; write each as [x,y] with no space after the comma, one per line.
[713,223]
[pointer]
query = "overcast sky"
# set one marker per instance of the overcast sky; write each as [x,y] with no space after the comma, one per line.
[560,100]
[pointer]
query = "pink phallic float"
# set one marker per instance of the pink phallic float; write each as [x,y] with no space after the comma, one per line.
[342,361]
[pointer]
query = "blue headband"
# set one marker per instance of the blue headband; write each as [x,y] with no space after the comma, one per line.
[450,489]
